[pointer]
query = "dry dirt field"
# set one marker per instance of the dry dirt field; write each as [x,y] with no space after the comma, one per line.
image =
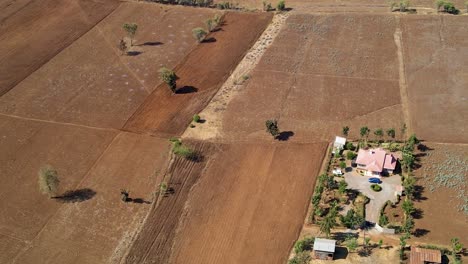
[90,83]
[201,74]
[313,78]
[436,59]
[440,205]
[256,206]
[34,31]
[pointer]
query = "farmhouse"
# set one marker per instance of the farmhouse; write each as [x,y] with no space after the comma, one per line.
[425,256]
[324,248]
[339,144]
[375,162]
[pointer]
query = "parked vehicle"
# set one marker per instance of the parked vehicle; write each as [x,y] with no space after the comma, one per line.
[337,172]
[375,180]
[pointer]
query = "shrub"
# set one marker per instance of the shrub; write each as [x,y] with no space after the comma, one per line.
[196,118]
[450,8]
[48,181]
[182,151]
[351,155]
[210,25]
[304,244]
[350,146]
[199,34]
[281,5]
[123,46]
[169,77]
[266,6]
[131,29]
[376,187]
[383,220]
[301,258]
[342,164]
[272,127]
[224,5]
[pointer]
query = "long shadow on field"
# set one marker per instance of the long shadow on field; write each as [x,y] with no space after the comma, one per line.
[209,40]
[186,90]
[138,200]
[419,232]
[151,43]
[134,53]
[75,196]
[285,135]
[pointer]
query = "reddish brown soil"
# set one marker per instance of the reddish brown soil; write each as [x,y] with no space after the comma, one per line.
[97,230]
[322,72]
[439,208]
[34,31]
[154,242]
[90,83]
[201,74]
[248,207]
[436,59]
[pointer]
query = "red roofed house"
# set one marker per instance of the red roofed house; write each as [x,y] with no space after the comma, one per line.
[375,162]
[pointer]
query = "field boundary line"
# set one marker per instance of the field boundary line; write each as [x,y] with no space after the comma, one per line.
[398,38]
[59,123]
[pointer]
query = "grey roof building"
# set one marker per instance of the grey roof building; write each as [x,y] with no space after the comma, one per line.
[324,248]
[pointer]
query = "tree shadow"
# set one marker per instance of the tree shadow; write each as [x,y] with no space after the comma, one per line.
[285,135]
[417,193]
[186,90]
[418,213]
[138,200]
[195,157]
[419,232]
[133,53]
[340,253]
[74,196]
[151,43]
[209,40]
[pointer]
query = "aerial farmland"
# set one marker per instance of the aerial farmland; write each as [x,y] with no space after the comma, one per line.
[233,132]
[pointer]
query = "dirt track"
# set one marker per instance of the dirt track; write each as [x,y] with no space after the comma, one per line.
[201,74]
[32,32]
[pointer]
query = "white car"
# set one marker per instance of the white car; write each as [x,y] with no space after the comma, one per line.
[337,172]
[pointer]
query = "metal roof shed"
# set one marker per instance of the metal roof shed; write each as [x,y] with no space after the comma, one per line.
[324,248]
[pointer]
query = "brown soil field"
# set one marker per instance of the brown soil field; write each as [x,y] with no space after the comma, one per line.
[256,206]
[201,74]
[315,76]
[34,31]
[98,230]
[441,214]
[90,83]
[436,59]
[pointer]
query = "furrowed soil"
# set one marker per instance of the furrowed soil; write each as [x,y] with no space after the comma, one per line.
[91,83]
[98,229]
[436,58]
[322,72]
[256,206]
[34,31]
[440,214]
[201,74]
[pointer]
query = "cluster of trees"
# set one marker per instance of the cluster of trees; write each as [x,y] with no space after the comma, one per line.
[211,24]
[181,150]
[302,249]
[201,3]
[401,5]
[447,6]
[364,132]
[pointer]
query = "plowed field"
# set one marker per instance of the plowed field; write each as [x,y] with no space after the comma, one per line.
[247,206]
[201,74]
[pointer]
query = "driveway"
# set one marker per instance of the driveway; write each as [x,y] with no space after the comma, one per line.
[377,199]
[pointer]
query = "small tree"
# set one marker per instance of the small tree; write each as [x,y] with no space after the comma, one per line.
[408,207]
[196,118]
[169,77]
[123,46]
[342,185]
[304,244]
[408,184]
[391,133]
[351,243]
[272,127]
[342,164]
[48,181]
[281,5]
[124,194]
[364,132]
[457,247]
[380,243]
[266,6]
[403,130]
[131,29]
[379,133]
[450,8]
[404,4]
[345,131]
[210,25]
[199,34]
[350,155]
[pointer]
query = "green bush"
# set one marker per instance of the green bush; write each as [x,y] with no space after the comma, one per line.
[281,5]
[376,187]
[383,220]
[169,77]
[342,164]
[199,34]
[350,146]
[304,244]
[196,118]
[351,219]
[351,155]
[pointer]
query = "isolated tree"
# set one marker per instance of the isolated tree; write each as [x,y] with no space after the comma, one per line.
[457,247]
[48,181]
[379,133]
[169,77]
[131,29]
[123,46]
[199,34]
[272,127]
[364,132]
[281,5]
[391,133]
[124,194]
[345,131]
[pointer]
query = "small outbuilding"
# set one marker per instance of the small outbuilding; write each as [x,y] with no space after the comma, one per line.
[324,248]
[425,256]
[339,144]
